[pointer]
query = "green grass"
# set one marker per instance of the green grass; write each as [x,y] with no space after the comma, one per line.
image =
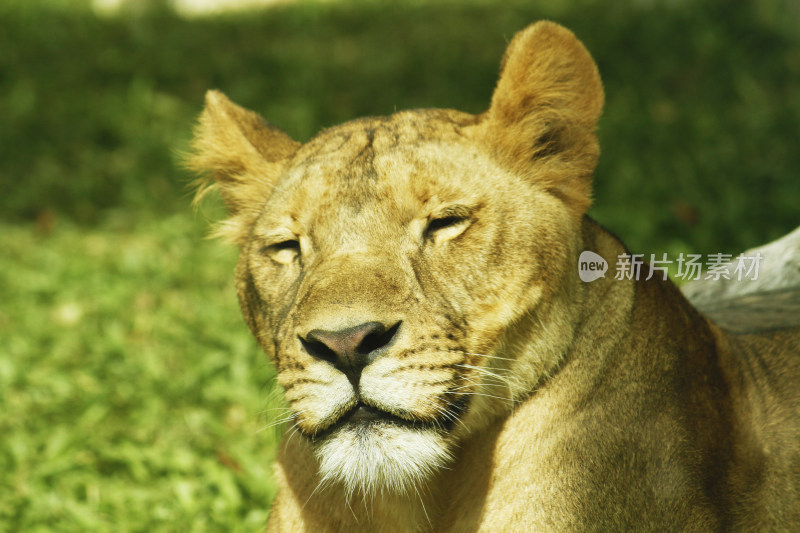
[132,397]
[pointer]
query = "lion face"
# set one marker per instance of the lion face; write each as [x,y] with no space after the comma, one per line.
[393,267]
[386,271]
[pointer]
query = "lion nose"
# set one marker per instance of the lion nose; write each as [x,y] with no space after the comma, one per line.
[350,349]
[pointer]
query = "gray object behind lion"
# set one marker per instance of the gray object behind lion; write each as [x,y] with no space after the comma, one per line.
[772,301]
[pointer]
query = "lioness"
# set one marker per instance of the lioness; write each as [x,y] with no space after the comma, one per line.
[414,280]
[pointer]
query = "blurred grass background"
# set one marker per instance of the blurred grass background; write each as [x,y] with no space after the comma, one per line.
[132,397]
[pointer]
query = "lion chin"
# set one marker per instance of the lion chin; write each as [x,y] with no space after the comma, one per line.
[375,456]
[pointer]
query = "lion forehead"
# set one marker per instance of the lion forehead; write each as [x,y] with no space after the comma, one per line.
[407,161]
[353,139]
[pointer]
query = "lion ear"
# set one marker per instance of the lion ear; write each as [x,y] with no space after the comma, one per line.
[241,154]
[545,109]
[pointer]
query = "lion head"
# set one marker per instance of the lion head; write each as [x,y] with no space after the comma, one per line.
[409,275]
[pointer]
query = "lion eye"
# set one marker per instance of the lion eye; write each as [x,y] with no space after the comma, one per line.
[283,252]
[444,222]
[445,228]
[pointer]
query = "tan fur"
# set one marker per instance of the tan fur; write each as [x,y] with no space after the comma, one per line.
[510,395]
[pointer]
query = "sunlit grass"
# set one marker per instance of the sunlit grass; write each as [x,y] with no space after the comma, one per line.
[132,393]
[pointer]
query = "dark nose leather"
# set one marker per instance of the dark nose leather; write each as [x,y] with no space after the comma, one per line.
[350,349]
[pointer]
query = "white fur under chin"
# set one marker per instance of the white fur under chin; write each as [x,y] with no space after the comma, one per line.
[380,458]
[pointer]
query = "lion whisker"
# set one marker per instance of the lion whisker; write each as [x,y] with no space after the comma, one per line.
[274,423]
[501,376]
[479,384]
[320,485]
[447,414]
[422,504]
[486,372]
[295,431]
[283,409]
[485,395]
[491,356]
[290,417]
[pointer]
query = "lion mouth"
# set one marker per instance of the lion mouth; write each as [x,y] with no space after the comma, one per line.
[363,417]
[363,414]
